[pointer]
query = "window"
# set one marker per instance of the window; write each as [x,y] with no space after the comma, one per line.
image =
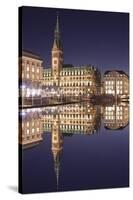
[28,68]
[33,69]
[55,138]
[55,54]
[33,130]
[28,131]
[28,76]
[28,92]
[37,70]
[55,61]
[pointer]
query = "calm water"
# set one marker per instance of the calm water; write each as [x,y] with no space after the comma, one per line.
[75,147]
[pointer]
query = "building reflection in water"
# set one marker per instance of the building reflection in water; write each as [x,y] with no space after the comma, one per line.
[74,118]
[116,116]
[83,118]
[30,128]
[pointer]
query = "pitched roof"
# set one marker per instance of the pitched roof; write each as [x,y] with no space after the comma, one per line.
[31,55]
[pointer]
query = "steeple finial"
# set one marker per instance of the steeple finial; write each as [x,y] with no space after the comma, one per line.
[57,23]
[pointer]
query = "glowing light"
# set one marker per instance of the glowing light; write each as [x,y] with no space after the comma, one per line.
[39,92]
[33,92]
[28,92]
[23,113]
[23,87]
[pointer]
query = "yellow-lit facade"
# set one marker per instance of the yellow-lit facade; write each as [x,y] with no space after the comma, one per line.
[69,79]
[76,119]
[75,81]
[30,131]
[38,83]
[116,116]
[70,119]
[30,77]
[116,83]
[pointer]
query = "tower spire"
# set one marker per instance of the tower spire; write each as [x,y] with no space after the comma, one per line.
[57,167]
[57,54]
[57,39]
[57,23]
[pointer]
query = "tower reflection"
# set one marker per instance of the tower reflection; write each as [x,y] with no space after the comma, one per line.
[56,145]
[70,119]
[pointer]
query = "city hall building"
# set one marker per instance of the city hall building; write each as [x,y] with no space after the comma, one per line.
[72,80]
[38,83]
[61,79]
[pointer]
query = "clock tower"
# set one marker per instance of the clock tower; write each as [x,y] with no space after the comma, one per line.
[57,55]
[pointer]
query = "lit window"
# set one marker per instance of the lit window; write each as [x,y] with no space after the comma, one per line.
[33,69]
[28,68]
[28,92]
[33,92]
[27,124]
[28,131]
[27,65]
[37,129]
[28,75]
[33,76]
[118,91]
[37,70]
[33,130]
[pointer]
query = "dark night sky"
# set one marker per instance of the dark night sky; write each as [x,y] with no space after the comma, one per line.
[88,37]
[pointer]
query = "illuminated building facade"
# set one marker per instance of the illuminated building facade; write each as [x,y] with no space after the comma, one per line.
[30,77]
[116,83]
[116,116]
[37,84]
[30,131]
[71,80]
[75,119]
[66,120]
